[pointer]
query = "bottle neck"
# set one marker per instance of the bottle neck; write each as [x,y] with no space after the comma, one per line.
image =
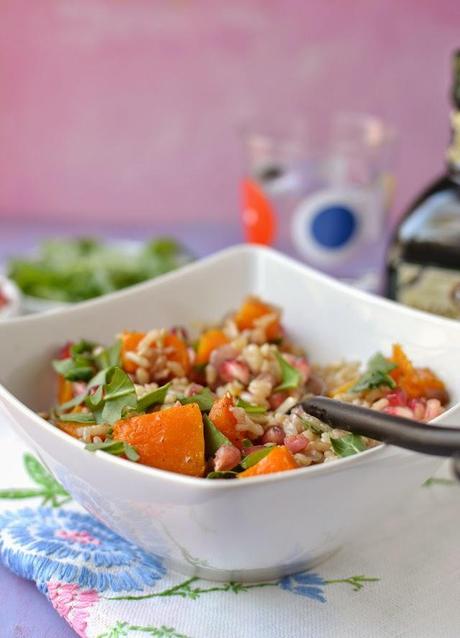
[453,152]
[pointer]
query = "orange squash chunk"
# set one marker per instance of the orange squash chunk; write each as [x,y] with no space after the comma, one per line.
[170,439]
[278,460]
[129,343]
[65,390]
[225,421]
[251,310]
[416,382]
[177,351]
[209,341]
[70,427]
[175,346]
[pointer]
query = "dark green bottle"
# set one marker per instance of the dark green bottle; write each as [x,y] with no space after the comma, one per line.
[423,263]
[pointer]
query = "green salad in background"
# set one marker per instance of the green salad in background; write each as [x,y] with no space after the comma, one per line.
[72,270]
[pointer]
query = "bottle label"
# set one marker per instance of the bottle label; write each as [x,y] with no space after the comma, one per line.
[429,288]
[453,152]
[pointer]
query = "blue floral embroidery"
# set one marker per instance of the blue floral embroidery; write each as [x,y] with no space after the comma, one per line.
[43,544]
[306,584]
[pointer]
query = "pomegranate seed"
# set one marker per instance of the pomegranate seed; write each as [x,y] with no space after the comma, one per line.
[226,457]
[274,434]
[64,352]
[233,370]
[193,388]
[295,443]
[277,399]
[398,398]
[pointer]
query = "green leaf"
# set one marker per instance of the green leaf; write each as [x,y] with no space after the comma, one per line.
[77,417]
[68,405]
[93,401]
[119,393]
[250,408]
[376,374]
[81,347]
[205,399]
[118,385]
[256,456]
[228,474]
[378,362]
[117,448]
[20,493]
[152,398]
[348,445]
[77,269]
[78,369]
[290,376]
[314,424]
[246,443]
[98,380]
[37,472]
[213,438]
[111,356]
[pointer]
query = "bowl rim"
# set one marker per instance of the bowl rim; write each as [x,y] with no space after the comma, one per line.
[14,298]
[337,465]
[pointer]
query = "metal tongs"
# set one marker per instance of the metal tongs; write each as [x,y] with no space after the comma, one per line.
[427,439]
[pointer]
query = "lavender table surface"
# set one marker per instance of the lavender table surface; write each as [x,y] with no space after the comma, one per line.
[24,612]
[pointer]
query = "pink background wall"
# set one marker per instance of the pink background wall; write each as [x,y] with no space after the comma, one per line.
[130,109]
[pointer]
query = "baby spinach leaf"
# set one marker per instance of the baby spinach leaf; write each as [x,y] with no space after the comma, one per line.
[82,347]
[250,408]
[118,393]
[78,417]
[98,380]
[151,398]
[256,456]
[376,374]
[348,445]
[117,448]
[94,401]
[68,405]
[213,438]
[205,399]
[228,474]
[378,362]
[290,376]
[74,369]
[110,356]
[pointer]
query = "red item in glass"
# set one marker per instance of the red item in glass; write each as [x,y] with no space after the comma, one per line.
[258,216]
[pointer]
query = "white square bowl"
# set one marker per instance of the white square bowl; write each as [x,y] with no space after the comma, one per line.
[263,527]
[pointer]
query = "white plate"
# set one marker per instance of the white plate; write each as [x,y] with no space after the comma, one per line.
[262,527]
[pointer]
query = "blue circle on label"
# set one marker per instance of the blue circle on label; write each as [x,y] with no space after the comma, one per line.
[333,227]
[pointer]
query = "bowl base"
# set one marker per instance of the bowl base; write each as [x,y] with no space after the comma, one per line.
[249,575]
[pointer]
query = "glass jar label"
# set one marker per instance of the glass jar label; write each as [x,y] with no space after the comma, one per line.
[429,288]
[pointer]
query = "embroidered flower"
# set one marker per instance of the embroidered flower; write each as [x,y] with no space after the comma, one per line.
[306,584]
[61,545]
[73,604]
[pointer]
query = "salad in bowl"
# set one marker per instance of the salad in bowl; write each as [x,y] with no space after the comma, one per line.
[226,403]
